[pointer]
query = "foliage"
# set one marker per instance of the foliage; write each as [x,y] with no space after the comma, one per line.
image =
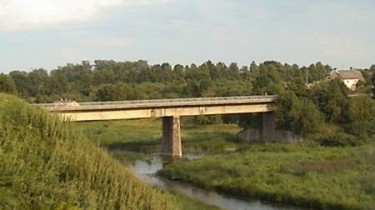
[361,114]
[7,85]
[267,81]
[332,100]
[116,92]
[207,120]
[46,164]
[310,176]
[250,121]
[145,135]
[317,72]
[299,115]
[340,138]
[22,83]
[90,81]
[372,68]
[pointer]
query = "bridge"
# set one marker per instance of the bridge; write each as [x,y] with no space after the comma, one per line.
[170,110]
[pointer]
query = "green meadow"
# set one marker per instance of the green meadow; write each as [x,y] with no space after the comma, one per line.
[145,135]
[301,175]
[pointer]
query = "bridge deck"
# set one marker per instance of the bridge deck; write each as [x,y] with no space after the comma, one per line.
[157,103]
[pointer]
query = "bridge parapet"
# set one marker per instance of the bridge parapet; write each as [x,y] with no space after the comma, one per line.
[157,103]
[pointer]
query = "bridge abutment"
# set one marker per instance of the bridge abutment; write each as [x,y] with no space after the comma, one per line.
[171,140]
[268,126]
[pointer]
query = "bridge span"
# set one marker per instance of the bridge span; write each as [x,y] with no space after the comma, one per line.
[170,111]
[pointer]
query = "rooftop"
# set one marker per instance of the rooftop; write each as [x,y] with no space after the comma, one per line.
[347,74]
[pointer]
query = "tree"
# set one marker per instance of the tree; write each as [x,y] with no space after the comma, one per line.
[299,115]
[7,85]
[178,72]
[234,72]
[332,100]
[198,88]
[22,83]
[361,115]
[109,92]
[207,120]
[372,68]
[40,82]
[250,121]
[297,85]
[253,67]
[317,71]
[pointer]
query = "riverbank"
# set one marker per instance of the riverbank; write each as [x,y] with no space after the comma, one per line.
[300,175]
[146,169]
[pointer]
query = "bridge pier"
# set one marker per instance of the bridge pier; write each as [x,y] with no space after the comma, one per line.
[268,126]
[171,140]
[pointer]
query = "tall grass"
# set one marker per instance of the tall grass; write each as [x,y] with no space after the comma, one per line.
[310,176]
[46,164]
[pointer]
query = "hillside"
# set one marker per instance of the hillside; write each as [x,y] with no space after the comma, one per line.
[46,164]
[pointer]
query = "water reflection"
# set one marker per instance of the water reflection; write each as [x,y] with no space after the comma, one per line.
[146,170]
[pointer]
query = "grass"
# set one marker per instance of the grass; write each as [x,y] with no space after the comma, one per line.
[310,176]
[145,135]
[47,164]
[302,175]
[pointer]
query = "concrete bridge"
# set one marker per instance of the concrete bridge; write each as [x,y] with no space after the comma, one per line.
[170,110]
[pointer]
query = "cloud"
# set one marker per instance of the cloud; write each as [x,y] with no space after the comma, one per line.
[26,14]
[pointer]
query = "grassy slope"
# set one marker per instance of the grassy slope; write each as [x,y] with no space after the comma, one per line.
[324,178]
[46,164]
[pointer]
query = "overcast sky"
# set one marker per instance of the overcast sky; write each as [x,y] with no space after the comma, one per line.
[51,33]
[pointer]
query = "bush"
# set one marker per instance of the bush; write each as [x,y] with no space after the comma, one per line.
[341,139]
[7,85]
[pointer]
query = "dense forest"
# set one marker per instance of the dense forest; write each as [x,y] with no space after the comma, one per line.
[110,80]
[309,104]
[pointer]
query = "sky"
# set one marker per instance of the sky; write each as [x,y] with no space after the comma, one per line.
[51,33]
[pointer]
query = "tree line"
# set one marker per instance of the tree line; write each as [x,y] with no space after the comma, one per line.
[109,80]
[308,103]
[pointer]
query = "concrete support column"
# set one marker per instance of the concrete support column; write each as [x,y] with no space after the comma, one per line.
[268,126]
[171,140]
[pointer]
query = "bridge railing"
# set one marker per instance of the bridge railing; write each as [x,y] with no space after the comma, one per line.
[160,101]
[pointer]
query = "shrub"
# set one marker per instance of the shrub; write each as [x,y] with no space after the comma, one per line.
[341,139]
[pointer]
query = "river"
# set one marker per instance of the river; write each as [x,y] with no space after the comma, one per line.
[146,171]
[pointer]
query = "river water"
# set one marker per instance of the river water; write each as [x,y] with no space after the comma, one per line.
[146,171]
